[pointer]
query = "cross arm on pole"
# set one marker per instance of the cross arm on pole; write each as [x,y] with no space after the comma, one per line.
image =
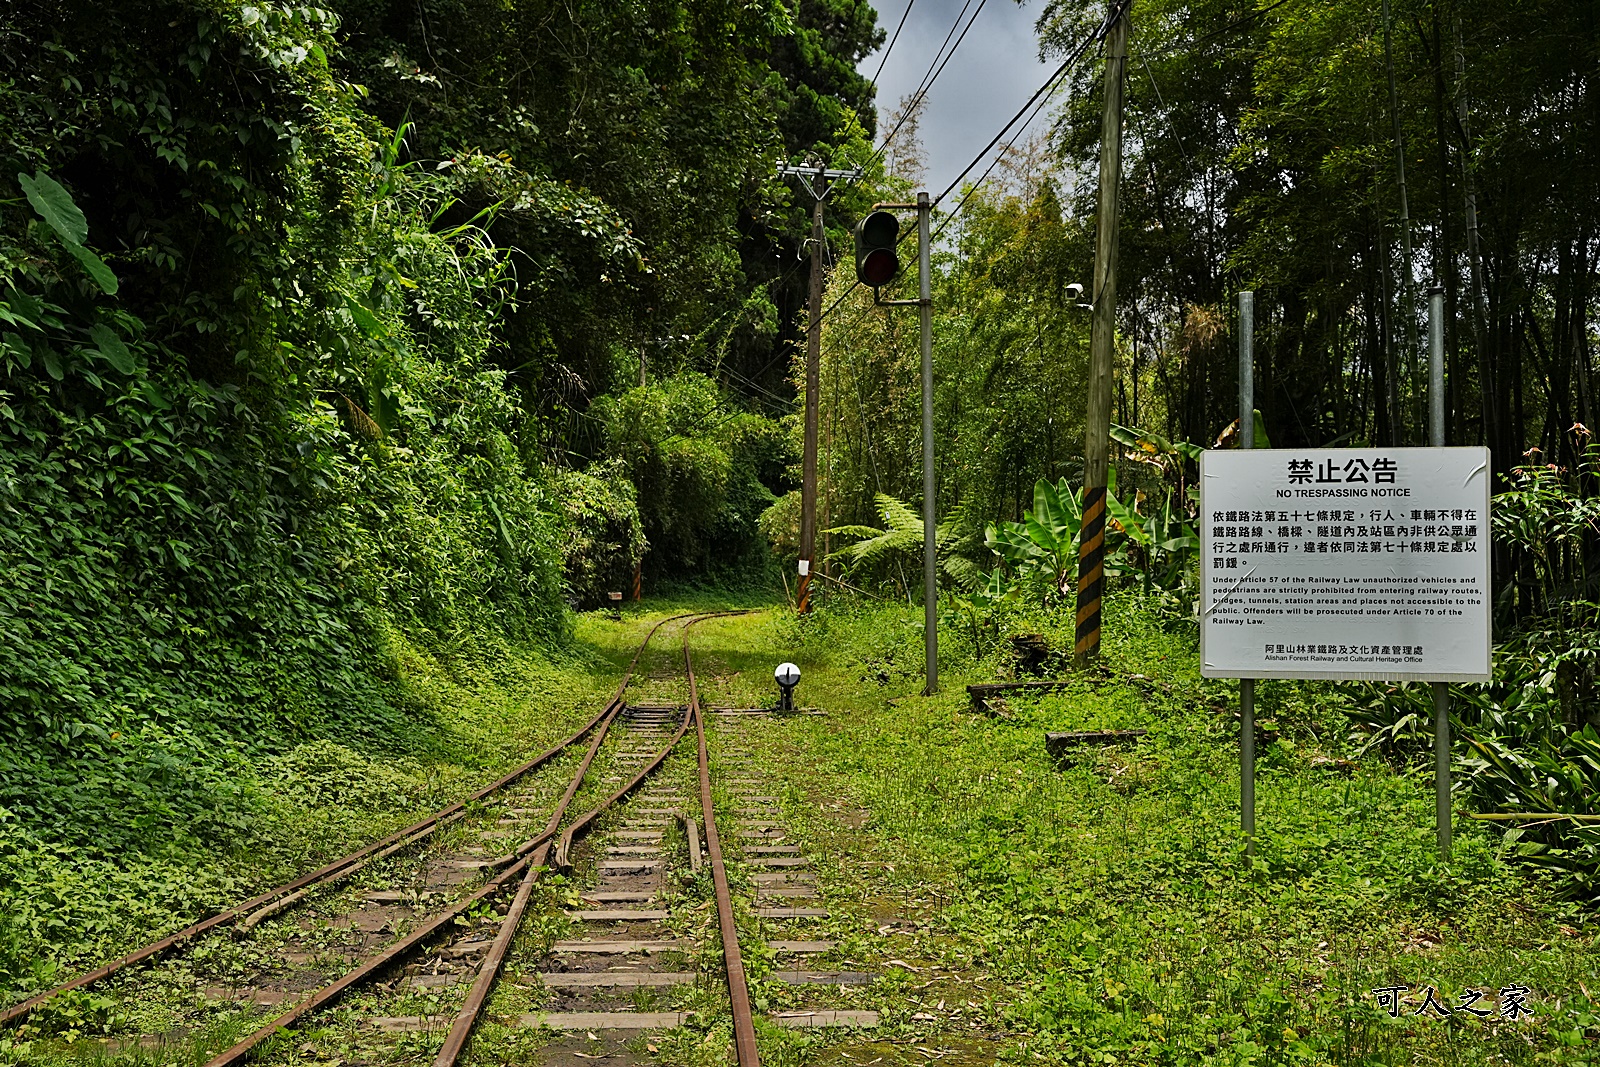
[817,170]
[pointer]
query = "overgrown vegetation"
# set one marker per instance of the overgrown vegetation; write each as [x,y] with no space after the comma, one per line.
[1100,908]
[302,315]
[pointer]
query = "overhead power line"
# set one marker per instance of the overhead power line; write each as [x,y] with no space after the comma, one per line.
[935,68]
[1088,42]
[885,58]
[1036,103]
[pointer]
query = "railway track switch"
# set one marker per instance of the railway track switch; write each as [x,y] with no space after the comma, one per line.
[787,676]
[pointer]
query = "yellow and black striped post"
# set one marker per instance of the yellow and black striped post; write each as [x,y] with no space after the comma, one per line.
[1091,573]
[638,582]
[1102,350]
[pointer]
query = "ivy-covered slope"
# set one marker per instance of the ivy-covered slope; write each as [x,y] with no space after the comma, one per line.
[250,441]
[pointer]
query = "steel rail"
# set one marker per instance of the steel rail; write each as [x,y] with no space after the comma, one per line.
[455,1041]
[744,1030]
[337,868]
[332,992]
[583,823]
[466,1019]
[489,971]
[281,896]
[251,921]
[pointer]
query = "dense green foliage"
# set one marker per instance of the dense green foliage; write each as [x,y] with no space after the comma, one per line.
[302,316]
[1009,351]
[1262,150]
[702,472]
[206,534]
[602,535]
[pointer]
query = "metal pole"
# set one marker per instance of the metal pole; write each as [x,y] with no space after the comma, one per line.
[1436,367]
[808,462]
[1102,352]
[1408,305]
[1247,686]
[930,561]
[1441,690]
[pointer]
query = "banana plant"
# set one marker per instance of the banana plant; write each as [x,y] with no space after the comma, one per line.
[1044,545]
[1165,539]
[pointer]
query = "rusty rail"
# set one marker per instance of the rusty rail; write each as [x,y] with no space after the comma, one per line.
[744,1031]
[329,994]
[282,896]
[488,973]
[583,823]
[529,868]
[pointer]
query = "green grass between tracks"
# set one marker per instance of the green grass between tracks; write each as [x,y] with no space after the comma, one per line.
[1024,911]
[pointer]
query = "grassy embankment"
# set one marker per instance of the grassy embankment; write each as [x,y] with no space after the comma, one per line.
[1104,912]
[466,717]
[296,807]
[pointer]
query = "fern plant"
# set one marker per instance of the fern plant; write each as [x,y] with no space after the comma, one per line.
[886,551]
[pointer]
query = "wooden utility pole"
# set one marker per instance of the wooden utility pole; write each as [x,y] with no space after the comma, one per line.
[819,188]
[1102,348]
[808,461]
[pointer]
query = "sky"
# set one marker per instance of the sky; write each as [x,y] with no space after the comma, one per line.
[991,76]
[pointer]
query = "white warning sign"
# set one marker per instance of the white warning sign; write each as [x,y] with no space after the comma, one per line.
[1356,563]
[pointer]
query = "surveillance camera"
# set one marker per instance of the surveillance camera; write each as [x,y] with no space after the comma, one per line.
[1075,292]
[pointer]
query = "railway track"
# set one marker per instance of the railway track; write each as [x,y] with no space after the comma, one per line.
[636,829]
[636,834]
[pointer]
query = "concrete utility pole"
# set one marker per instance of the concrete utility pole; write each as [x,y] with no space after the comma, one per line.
[808,462]
[820,178]
[1102,346]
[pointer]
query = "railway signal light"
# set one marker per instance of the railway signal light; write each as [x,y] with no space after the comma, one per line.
[877,262]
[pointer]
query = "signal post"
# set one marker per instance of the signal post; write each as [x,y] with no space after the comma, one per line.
[877,264]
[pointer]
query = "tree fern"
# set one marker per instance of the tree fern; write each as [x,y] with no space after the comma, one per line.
[901,541]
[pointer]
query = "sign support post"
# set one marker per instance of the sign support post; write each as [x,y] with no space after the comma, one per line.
[1353,564]
[1441,690]
[930,547]
[1247,686]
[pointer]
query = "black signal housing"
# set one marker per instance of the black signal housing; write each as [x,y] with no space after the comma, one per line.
[877,262]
